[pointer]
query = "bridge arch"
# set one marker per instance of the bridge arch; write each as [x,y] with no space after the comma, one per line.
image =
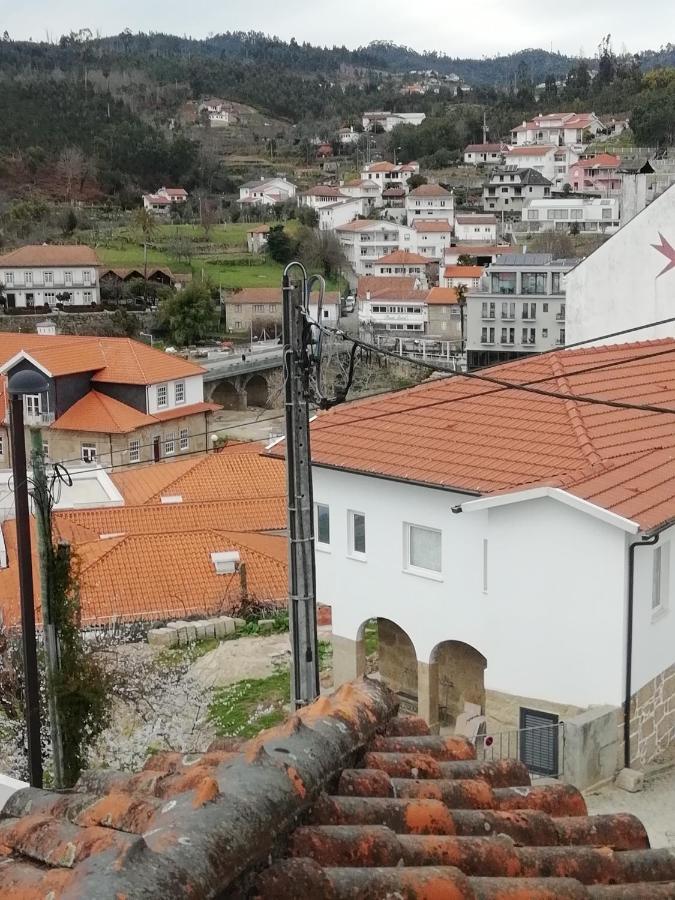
[257,391]
[226,393]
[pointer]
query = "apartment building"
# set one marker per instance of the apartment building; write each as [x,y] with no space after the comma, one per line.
[47,274]
[507,189]
[260,308]
[433,237]
[365,241]
[386,174]
[597,173]
[402,263]
[397,307]
[559,129]
[570,214]
[476,228]
[430,201]
[518,309]
[552,162]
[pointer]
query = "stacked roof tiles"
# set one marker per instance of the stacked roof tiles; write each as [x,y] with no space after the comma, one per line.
[345,801]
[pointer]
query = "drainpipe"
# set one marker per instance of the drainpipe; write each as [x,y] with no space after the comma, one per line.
[646,542]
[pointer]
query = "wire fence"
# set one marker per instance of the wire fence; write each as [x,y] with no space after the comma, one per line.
[541,748]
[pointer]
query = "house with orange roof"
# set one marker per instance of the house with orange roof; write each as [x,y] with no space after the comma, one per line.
[561,129]
[364,241]
[43,275]
[260,308]
[514,539]
[462,276]
[430,201]
[386,174]
[550,160]
[112,401]
[405,263]
[597,173]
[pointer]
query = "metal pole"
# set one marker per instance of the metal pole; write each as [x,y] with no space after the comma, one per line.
[23,549]
[45,550]
[302,576]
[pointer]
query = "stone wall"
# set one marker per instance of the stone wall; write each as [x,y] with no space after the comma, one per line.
[460,670]
[397,659]
[94,323]
[653,718]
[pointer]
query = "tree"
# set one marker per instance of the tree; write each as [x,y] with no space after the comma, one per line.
[69,222]
[416,181]
[180,247]
[145,223]
[550,87]
[70,167]
[557,243]
[606,64]
[189,315]
[279,245]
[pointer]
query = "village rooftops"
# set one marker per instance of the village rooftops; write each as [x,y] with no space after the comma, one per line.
[375,284]
[435,226]
[505,441]
[344,800]
[531,150]
[49,255]
[601,161]
[442,296]
[477,219]
[367,225]
[324,190]
[464,271]
[429,190]
[272,295]
[485,148]
[403,258]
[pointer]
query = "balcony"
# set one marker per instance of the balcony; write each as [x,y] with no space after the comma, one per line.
[560,317]
[38,419]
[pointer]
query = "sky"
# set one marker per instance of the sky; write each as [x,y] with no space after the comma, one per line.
[455,27]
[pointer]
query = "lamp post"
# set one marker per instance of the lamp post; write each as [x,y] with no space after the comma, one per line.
[19,385]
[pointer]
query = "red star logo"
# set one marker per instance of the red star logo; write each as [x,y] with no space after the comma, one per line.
[668,251]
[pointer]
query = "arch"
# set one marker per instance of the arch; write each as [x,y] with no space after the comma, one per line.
[257,392]
[459,670]
[227,395]
[397,659]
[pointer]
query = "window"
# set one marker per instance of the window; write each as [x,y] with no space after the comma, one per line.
[169,443]
[33,404]
[529,336]
[607,214]
[50,298]
[258,307]
[184,439]
[87,297]
[237,307]
[9,278]
[237,326]
[422,549]
[529,310]
[544,332]
[271,308]
[485,565]
[179,392]
[28,277]
[533,283]
[45,449]
[68,278]
[134,451]
[357,534]
[49,278]
[88,453]
[162,395]
[322,523]
[555,283]
[545,307]
[660,578]
[86,277]
[577,213]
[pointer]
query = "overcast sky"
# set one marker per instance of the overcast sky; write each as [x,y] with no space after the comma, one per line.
[457,28]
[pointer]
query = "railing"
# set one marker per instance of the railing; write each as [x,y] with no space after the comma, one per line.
[44,418]
[541,748]
[560,317]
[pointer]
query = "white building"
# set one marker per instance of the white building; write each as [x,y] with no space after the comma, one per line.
[403,311]
[509,188]
[403,262]
[321,195]
[348,135]
[570,213]
[46,274]
[387,175]
[492,541]
[476,228]
[552,162]
[433,237]
[267,191]
[362,189]
[366,240]
[485,154]
[256,238]
[517,309]
[462,276]
[561,129]
[165,199]
[628,281]
[387,121]
[430,201]
[340,212]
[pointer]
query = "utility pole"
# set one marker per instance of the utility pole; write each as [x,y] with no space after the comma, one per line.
[485,129]
[302,574]
[26,382]
[43,521]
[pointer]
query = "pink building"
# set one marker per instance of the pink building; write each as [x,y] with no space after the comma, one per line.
[599,173]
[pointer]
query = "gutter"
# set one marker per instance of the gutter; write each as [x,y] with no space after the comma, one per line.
[646,542]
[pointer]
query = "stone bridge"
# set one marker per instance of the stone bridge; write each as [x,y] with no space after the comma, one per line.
[245,379]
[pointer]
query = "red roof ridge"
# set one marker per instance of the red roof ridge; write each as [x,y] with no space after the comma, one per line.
[575,416]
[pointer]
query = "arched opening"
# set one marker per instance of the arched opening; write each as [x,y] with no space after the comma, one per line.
[257,393]
[226,394]
[460,672]
[396,660]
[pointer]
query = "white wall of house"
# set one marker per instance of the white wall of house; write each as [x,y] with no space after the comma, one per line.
[624,282]
[561,213]
[335,214]
[420,208]
[548,629]
[653,628]
[470,231]
[330,312]
[194,393]
[37,285]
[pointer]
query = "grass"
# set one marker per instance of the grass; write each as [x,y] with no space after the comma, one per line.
[248,707]
[176,656]
[371,637]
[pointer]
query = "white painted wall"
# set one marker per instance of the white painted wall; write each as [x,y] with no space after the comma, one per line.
[334,215]
[621,285]
[194,393]
[551,623]
[653,632]
[9,786]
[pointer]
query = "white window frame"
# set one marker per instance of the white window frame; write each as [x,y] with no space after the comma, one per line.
[170,443]
[352,552]
[68,279]
[162,391]
[49,278]
[86,276]
[408,566]
[321,545]
[33,404]
[184,439]
[660,579]
[134,450]
[177,400]
[88,452]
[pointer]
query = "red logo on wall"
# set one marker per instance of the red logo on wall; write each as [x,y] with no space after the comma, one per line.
[668,251]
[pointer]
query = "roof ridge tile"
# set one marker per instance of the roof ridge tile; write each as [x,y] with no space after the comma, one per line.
[575,416]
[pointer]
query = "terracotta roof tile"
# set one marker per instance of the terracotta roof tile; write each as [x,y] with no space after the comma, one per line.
[531,150]
[377,284]
[463,271]
[50,255]
[403,258]
[429,190]
[475,220]
[99,413]
[459,432]
[432,225]
[285,815]
[442,295]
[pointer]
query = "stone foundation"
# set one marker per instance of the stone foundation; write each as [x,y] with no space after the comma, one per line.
[461,671]
[653,718]
[397,659]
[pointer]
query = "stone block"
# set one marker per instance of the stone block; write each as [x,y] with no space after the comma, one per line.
[204,629]
[223,626]
[182,636]
[239,623]
[631,780]
[188,627]
[265,626]
[163,637]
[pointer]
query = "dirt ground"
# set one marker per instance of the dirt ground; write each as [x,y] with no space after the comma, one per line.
[261,423]
[231,661]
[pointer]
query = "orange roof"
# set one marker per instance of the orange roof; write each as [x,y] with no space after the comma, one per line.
[432,225]
[50,255]
[98,412]
[463,271]
[382,167]
[271,295]
[376,284]
[429,190]
[538,150]
[403,258]
[601,161]
[463,433]
[115,360]
[475,220]
[442,295]
[237,472]
[190,410]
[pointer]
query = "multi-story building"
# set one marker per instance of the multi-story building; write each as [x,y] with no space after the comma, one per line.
[509,188]
[518,309]
[320,195]
[387,175]
[387,121]
[343,211]
[403,262]
[430,201]
[365,241]
[46,274]
[113,401]
[570,214]
[476,228]
[444,315]
[560,129]
[396,307]
[362,189]
[261,308]
[462,276]
[552,162]
[433,237]
[485,154]
[165,199]
[266,191]
[598,173]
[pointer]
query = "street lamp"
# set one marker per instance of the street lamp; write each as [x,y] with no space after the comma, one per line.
[19,385]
